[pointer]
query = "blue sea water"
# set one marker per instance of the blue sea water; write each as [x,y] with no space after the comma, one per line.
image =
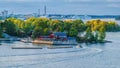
[90,56]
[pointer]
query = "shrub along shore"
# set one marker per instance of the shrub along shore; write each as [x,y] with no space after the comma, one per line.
[90,31]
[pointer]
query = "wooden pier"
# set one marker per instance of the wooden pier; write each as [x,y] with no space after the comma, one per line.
[26,47]
[59,47]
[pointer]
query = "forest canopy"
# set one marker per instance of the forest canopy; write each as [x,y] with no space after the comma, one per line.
[92,30]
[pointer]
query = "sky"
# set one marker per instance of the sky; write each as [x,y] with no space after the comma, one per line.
[80,7]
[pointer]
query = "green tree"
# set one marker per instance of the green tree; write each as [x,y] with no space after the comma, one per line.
[38,31]
[96,30]
[10,27]
[73,32]
[89,35]
[79,25]
[102,34]
[1,30]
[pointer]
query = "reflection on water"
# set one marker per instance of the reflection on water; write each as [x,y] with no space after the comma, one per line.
[92,56]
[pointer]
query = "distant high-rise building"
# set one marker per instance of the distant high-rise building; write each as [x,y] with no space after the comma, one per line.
[45,10]
[4,14]
[38,12]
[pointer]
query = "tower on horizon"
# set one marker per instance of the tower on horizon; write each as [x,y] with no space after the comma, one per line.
[4,14]
[38,12]
[45,10]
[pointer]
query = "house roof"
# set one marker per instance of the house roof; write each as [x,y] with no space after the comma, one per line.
[60,34]
[71,38]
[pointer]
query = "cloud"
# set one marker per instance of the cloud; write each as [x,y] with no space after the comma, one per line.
[113,5]
[61,0]
[113,0]
[78,0]
[25,0]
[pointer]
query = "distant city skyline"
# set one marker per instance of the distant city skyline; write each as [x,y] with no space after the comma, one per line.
[80,7]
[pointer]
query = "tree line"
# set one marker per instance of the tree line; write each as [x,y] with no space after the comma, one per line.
[93,30]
